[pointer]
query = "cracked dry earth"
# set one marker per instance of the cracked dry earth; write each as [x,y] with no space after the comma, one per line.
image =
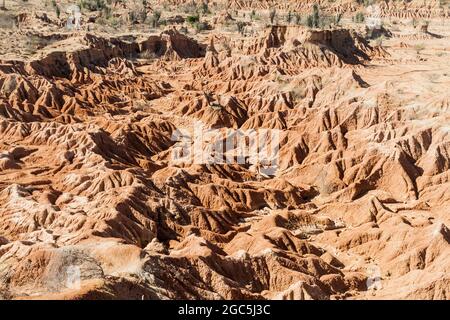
[361,195]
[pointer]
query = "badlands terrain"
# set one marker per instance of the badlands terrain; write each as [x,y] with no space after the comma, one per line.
[94,204]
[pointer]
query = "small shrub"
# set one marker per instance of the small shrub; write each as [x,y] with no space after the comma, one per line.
[297,19]
[201,26]
[337,19]
[359,17]
[240,27]
[106,13]
[316,16]
[92,5]
[35,43]
[419,48]
[204,8]
[143,15]
[7,21]
[272,15]
[309,21]
[56,8]
[289,17]
[132,17]
[193,19]
[115,22]
[379,41]
[155,19]
[365,3]
[148,55]
[189,8]
[313,20]
[215,106]
[106,19]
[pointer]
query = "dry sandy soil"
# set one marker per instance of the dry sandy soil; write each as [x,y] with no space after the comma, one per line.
[93,205]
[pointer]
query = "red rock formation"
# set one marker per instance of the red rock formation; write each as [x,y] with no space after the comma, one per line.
[88,187]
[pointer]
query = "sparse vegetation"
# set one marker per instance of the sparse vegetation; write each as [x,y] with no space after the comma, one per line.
[337,19]
[365,3]
[132,17]
[56,8]
[359,17]
[148,55]
[254,16]
[272,15]
[107,19]
[193,19]
[155,19]
[6,21]
[138,15]
[309,21]
[289,17]
[143,15]
[419,48]
[215,106]
[316,16]
[327,98]
[395,27]
[313,20]
[189,8]
[204,8]
[240,27]
[200,26]
[379,41]
[297,19]
[106,13]
[92,5]
[35,43]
